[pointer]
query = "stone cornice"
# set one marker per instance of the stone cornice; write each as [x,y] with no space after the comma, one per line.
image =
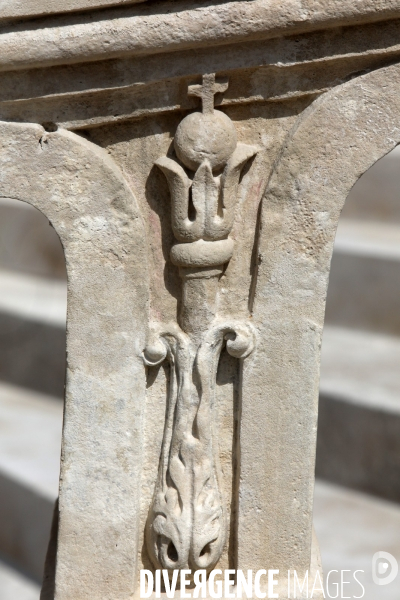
[151,29]
[17,9]
[279,69]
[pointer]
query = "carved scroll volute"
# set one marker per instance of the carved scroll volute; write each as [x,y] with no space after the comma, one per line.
[186,526]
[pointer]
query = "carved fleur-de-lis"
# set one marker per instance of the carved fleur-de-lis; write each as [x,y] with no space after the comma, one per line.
[214,198]
[205,143]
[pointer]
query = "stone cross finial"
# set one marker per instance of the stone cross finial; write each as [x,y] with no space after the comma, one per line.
[206,91]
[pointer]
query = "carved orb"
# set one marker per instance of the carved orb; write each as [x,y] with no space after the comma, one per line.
[209,136]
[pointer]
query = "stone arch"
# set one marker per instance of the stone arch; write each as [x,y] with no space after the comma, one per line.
[332,144]
[87,200]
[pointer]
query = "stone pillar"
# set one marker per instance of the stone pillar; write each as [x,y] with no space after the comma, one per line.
[193,161]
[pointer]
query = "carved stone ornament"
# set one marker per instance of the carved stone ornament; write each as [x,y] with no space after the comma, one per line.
[187,523]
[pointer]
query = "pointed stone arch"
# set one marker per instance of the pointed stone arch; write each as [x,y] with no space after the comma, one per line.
[331,145]
[87,200]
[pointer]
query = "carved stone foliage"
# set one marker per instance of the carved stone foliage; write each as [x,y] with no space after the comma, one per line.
[187,523]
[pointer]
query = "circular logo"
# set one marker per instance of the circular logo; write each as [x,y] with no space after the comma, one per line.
[384,568]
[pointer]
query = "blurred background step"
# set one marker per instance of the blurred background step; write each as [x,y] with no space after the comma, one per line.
[376,195]
[351,527]
[16,586]
[28,243]
[32,331]
[30,443]
[33,300]
[359,411]
[364,281]
[32,359]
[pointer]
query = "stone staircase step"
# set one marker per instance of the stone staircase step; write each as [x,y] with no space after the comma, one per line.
[33,298]
[376,195]
[364,282]
[16,586]
[28,244]
[32,331]
[359,412]
[350,528]
[30,442]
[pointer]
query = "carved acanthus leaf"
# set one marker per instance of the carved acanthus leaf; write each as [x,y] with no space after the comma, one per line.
[187,525]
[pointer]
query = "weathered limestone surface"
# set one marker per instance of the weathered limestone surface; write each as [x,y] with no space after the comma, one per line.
[32,8]
[183,26]
[99,226]
[193,160]
[301,209]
